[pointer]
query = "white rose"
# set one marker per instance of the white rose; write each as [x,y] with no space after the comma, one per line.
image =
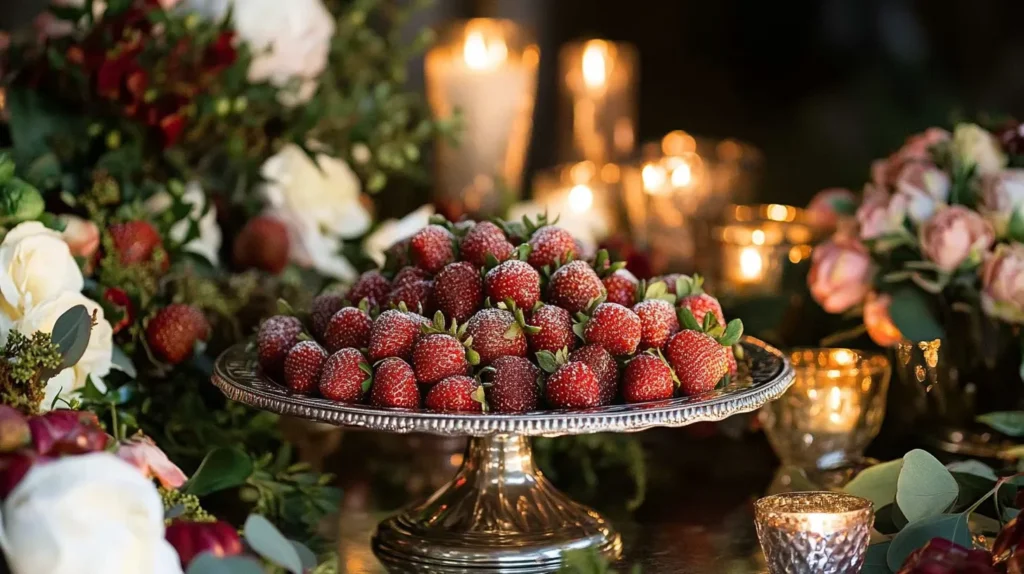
[207,245]
[1002,197]
[973,145]
[35,265]
[392,231]
[84,514]
[320,206]
[289,40]
[96,360]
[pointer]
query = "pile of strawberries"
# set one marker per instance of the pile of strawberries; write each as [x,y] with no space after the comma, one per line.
[502,317]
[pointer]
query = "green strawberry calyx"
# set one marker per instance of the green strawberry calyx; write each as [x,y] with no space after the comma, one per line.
[687,286]
[440,327]
[727,335]
[550,362]
[652,291]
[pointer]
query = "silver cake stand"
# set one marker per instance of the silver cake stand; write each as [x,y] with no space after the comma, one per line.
[499,513]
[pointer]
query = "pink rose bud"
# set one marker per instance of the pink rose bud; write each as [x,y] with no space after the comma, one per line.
[955,236]
[881,215]
[14,430]
[1002,197]
[191,539]
[1002,283]
[840,275]
[142,453]
[917,148]
[878,321]
[828,205]
[924,187]
[81,235]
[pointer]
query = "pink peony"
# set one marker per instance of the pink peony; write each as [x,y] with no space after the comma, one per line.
[1002,283]
[190,539]
[828,205]
[1002,195]
[142,453]
[880,214]
[840,275]
[924,187]
[81,235]
[878,321]
[954,236]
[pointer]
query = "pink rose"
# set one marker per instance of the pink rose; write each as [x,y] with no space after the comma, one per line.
[878,321]
[880,214]
[828,205]
[924,187]
[840,275]
[1002,283]
[142,453]
[954,236]
[81,235]
[1002,196]
[916,148]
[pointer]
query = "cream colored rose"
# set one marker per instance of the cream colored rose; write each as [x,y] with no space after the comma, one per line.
[1002,197]
[924,188]
[973,145]
[955,236]
[86,513]
[35,265]
[392,231]
[1002,283]
[320,205]
[94,363]
[208,243]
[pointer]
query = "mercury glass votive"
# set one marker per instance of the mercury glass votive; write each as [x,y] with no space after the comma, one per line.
[833,410]
[814,532]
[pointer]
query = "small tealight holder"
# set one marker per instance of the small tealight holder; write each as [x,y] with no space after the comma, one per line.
[814,532]
[755,244]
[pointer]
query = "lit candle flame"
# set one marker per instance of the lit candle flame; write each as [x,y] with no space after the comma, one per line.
[595,63]
[682,175]
[482,53]
[654,178]
[581,198]
[751,264]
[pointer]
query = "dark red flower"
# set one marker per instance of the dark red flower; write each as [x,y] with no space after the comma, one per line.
[119,303]
[191,539]
[171,127]
[65,431]
[14,467]
[221,53]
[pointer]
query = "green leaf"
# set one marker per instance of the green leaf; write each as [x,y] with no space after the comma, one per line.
[952,527]
[875,559]
[971,487]
[305,555]
[975,467]
[269,543]
[209,563]
[1015,229]
[687,320]
[913,315]
[122,362]
[71,335]
[733,332]
[1007,422]
[877,483]
[33,121]
[547,361]
[924,488]
[223,467]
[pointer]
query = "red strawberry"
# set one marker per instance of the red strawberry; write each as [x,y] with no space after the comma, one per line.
[277,336]
[573,386]
[417,296]
[303,366]
[262,244]
[173,332]
[496,333]
[485,239]
[555,332]
[394,333]
[550,243]
[439,356]
[432,248]
[137,242]
[614,327]
[574,286]
[603,365]
[515,385]
[323,308]
[647,378]
[670,281]
[346,377]
[370,285]
[397,256]
[349,327]
[658,322]
[621,287]
[691,295]
[515,280]
[119,303]
[458,291]
[394,385]
[408,276]
[698,360]
[455,394]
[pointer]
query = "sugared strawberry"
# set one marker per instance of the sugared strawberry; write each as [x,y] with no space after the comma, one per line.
[349,327]
[485,238]
[324,307]
[439,356]
[691,296]
[397,256]
[647,378]
[346,377]
[550,244]
[604,367]
[277,336]
[137,242]
[496,333]
[408,276]
[454,395]
[573,386]
[262,244]
[417,296]
[372,286]
[670,280]
[614,327]
[515,385]
[574,286]
[514,280]
[555,329]
[698,360]
[458,291]
[621,288]
[394,385]
[303,366]
[432,248]
[394,333]
[658,322]
[173,332]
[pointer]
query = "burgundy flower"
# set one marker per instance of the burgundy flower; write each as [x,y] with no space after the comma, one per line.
[66,431]
[221,53]
[191,539]
[122,304]
[14,467]
[171,127]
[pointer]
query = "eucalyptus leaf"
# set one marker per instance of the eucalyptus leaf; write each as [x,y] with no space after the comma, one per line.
[269,543]
[971,488]
[122,362]
[912,313]
[975,467]
[877,483]
[1007,422]
[305,555]
[223,467]
[952,527]
[875,559]
[71,335]
[209,563]
[924,488]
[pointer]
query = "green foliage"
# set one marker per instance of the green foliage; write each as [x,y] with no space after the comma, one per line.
[588,561]
[1007,422]
[222,468]
[178,505]
[577,459]
[23,364]
[913,314]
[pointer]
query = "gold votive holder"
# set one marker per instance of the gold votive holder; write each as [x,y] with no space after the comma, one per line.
[833,410]
[814,532]
[585,196]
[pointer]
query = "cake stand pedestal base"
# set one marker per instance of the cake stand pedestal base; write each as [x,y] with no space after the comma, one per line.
[498,514]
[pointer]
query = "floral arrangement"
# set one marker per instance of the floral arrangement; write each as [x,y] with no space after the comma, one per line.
[933,247]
